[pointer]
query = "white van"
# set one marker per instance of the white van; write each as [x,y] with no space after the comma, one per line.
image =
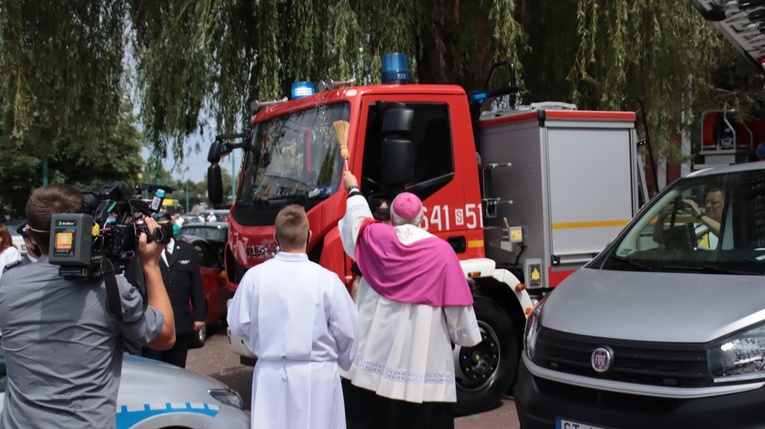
[666,327]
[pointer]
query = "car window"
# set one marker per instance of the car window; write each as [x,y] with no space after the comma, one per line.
[221,215]
[203,261]
[208,233]
[207,256]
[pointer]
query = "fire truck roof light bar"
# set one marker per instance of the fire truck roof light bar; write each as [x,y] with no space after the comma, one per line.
[302,89]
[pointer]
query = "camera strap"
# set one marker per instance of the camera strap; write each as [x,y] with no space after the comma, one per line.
[113,301]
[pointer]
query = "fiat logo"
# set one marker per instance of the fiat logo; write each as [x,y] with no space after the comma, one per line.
[601,359]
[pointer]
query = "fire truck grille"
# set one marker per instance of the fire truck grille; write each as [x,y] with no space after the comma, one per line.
[657,364]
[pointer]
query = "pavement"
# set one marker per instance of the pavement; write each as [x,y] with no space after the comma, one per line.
[216,361]
[502,417]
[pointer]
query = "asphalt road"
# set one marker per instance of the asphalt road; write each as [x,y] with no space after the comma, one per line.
[215,360]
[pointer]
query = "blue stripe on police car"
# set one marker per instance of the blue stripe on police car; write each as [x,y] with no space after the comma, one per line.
[129,415]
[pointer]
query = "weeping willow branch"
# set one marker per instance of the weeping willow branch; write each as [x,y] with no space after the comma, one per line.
[198,64]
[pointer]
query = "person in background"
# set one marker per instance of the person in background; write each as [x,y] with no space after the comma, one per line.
[8,252]
[33,250]
[211,217]
[382,212]
[300,329]
[177,223]
[179,265]
[706,223]
[62,345]
[414,302]
[33,254]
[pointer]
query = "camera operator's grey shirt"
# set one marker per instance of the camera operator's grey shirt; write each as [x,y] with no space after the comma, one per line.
[63,348]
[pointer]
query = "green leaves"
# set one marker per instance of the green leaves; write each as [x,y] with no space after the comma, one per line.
[69,70]
[61,86]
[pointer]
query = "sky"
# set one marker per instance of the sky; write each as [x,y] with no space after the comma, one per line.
[194,165]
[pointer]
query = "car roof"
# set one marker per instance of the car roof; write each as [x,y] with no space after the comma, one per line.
[190,238]
[194,239]
[214,224]
[213,246]
[728,169]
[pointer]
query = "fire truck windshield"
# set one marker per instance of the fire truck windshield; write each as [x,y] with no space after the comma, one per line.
[294,158]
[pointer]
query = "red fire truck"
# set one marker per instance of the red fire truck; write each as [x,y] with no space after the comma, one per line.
[524,195]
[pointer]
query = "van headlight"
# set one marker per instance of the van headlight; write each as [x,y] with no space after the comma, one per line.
[739,357]
[533,325]
[228,397]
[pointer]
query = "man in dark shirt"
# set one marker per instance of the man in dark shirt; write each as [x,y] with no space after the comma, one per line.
[179,264]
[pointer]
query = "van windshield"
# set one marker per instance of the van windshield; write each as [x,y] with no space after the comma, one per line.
[707,224]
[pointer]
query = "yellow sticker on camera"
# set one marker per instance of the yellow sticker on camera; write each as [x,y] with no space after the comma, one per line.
[64,240]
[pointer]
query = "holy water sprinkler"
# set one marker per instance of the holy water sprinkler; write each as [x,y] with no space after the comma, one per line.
[341,132]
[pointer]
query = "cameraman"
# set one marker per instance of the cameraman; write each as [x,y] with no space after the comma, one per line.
[63,348]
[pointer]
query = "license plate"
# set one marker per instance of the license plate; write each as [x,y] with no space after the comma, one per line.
[570,424]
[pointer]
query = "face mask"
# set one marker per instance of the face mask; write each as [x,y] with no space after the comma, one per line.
[36,251]
[32,247]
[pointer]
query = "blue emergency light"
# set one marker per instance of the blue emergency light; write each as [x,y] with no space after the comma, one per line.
[476,97]
[302,89]
[395,68]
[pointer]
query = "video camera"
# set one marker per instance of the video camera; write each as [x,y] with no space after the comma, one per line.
[102,240]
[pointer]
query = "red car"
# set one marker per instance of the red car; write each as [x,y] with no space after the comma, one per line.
[213,281]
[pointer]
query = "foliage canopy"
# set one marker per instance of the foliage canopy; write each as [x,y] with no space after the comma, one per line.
[71,71]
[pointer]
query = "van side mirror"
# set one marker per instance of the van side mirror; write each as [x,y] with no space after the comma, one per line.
[214,184]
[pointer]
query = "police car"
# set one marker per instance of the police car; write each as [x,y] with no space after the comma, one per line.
[154,395]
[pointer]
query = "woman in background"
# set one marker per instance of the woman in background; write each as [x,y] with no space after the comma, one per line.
[8,252]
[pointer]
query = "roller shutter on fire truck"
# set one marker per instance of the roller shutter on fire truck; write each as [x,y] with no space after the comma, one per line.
[575,168]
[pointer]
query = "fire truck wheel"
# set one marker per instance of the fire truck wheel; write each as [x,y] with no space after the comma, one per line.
[486,372]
